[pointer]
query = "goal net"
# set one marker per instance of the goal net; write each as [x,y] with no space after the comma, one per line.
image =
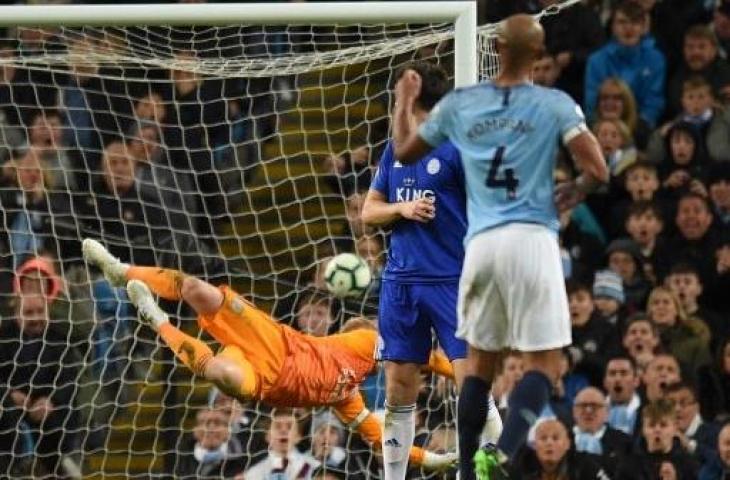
[238,154]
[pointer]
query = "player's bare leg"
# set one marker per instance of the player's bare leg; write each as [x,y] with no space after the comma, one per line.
[225,372]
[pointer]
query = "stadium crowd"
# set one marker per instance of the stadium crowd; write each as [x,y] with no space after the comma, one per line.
[145,165]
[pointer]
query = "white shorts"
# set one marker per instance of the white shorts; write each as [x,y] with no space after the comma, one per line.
[512,291]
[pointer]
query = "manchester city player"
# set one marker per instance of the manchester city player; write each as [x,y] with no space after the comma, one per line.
[426,205]
[511,292]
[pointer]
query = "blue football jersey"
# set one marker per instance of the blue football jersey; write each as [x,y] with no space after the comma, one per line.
[508,138]
[425,252]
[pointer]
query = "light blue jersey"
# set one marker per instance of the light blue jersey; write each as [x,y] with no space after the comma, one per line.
[508,138]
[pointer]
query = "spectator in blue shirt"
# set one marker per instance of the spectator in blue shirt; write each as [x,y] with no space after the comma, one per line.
[633,57]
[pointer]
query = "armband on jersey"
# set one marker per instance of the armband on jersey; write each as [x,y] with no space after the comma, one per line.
[359,419]
[574,132]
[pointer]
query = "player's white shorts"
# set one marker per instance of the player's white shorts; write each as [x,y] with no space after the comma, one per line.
[512,290]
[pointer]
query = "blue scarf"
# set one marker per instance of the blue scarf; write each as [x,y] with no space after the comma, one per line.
[623,417]
[589,442]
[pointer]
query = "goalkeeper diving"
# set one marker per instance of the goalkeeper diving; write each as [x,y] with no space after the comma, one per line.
[261,359]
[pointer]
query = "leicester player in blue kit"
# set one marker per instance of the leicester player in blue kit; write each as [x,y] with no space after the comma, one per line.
[511,291]
[426,205]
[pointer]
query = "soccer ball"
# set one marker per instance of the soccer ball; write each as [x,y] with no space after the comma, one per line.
[347,275]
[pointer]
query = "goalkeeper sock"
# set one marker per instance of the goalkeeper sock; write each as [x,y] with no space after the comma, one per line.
[191,351]
[398,433]
[164,282]
[471,411]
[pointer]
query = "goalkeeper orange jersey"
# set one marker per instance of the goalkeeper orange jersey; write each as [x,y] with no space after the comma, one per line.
[291,368]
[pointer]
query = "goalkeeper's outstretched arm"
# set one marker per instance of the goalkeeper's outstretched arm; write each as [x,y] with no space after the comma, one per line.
[353,413]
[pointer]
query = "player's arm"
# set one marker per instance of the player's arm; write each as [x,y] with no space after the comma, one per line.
[408,145]
[586,153]
[589,159]
[353,413]
[377,212]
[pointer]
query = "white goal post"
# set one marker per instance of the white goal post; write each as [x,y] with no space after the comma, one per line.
[462,14]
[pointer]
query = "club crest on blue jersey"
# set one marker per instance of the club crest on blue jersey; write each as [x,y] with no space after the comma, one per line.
[433,166]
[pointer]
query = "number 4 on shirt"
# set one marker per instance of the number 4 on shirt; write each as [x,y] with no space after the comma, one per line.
[508,182]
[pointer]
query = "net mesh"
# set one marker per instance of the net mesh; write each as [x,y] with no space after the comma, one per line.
[238,154]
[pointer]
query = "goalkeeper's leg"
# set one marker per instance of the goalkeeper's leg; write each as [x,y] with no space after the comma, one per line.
[169,284]
[229,370]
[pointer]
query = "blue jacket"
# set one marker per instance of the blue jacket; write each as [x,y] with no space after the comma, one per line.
[642,67]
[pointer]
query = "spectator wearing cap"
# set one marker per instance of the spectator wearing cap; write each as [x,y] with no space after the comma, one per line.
[699,57]
[624,258]
[328,438]
[328,448]
[608,296]
[69,314]
[593,337]
[38,276]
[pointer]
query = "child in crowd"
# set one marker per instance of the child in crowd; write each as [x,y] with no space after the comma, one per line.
[617,145]
[685,282]
[698,109]
[624,258]
[660,455]
[608,297]
[593,336]
[644,225]
[685,167]
[641,183]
